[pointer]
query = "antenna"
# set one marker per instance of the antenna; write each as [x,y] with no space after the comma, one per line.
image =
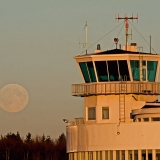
[150,43]
[126,18]
[85,44]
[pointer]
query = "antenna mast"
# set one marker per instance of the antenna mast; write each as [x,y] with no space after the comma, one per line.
[85,43]
[126,18]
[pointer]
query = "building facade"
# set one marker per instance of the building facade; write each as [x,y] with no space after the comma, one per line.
[121,110]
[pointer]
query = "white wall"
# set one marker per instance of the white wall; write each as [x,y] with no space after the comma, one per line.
[133,136]
[111,101]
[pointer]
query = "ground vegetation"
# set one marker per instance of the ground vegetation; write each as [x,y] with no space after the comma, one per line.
[13,147]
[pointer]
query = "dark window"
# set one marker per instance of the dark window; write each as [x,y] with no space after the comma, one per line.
[91,71]
[113,71]
[155,118]
[123,69]
[101,71]
[84,70]
[145,119]
[143,63]
[139,119]
[151,70]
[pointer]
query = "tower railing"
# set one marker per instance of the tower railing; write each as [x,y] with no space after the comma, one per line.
[107,88]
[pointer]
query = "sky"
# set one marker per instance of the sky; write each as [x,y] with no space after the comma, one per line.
[38,40]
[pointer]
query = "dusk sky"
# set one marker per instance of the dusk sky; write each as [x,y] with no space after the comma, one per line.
[38,40]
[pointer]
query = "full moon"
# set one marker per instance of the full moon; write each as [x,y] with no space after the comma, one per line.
[13,98]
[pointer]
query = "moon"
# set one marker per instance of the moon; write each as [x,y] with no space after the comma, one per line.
[13,98]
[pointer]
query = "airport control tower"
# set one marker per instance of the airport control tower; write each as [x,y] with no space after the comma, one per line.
[121,118]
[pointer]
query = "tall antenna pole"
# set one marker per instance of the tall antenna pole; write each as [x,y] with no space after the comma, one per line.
[126,18]
[85,43]
[127,26]
[86,28]
[150,44]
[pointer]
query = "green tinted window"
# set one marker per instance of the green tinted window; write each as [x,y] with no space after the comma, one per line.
[91,71]
[151,70]
[84,70]
[88,71]
[135,70]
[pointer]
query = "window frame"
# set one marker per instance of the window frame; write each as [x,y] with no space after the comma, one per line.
[89,113]
[103,117]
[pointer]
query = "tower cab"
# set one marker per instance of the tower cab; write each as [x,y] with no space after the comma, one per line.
[115,83]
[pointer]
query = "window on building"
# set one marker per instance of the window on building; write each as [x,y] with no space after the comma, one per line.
[155,119]
[106,155]
[113,70]
[123,154]
[91,113]
[102,72]
[117,155]
[82,155]
[123,69]
[135,70]
[105,112]
[143,63]
[84,70]
[88,71]
[91,71]
[90,155]
[145,119]
[99,155]
[151,70]
[135,154]
[139,119]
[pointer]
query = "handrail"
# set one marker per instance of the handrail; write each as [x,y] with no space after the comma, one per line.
[107,88]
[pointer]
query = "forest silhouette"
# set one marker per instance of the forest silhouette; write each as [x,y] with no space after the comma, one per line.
[13,147]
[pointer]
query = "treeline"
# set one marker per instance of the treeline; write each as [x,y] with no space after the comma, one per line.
[13,147]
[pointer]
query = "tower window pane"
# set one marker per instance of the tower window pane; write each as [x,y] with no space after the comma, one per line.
[113,71]
[105,112]
[91,71]
[91,113]
[151,70]
[123,69]
[88,71]
[135,70]
[84,70]
[102,73]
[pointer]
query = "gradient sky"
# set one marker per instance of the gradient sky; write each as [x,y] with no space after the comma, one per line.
[38,40]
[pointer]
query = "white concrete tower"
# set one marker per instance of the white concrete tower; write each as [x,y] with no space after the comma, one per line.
[121,109]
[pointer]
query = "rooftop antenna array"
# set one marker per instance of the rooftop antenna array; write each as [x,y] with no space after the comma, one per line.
[85,44]
[126,18]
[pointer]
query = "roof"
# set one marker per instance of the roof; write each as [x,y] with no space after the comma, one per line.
[117,51]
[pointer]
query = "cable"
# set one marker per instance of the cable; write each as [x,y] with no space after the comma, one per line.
[118,34]
[142,37]
[103,37]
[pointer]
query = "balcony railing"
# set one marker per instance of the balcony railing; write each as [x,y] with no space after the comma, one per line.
[89,89]
[79,121]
